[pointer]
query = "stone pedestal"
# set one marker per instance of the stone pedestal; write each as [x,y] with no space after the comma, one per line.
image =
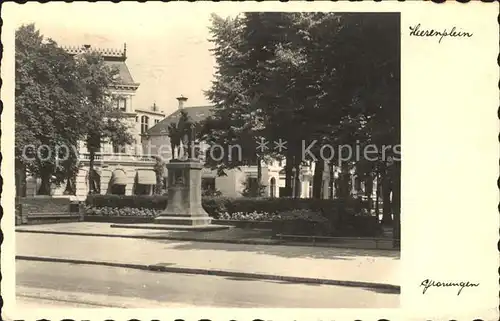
[184,195]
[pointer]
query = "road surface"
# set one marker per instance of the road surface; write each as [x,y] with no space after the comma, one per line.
[59,284]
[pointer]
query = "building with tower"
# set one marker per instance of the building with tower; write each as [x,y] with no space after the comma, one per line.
[120,169]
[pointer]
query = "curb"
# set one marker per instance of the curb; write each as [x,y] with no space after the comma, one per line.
[255,242]
[216,272]
[243,241]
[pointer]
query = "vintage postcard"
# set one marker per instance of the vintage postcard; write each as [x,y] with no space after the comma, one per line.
[250,161]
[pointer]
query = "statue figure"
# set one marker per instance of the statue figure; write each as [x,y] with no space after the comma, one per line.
[182,138]
[185,128]
[175,140]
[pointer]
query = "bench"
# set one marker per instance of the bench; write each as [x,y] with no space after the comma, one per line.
[47,210]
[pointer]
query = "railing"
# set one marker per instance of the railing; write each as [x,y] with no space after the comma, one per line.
[121,157]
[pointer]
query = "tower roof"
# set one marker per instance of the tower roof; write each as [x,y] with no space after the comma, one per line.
[107,53]
[114,58]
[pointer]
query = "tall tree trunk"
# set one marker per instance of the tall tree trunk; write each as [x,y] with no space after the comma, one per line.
[288,176]
[332,180]
[45,186]
[91,171]
[70,186]
[377,193]
[318,178]
[20,179]
[297,183]
[396,204]
[344,179]
[326,181]
[386,197]
[259,177]
[369,191]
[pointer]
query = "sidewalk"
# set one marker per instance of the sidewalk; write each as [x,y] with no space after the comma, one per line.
[299,263]
[231,235]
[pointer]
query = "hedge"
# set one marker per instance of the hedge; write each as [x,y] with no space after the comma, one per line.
[158,202]
[342,217]
[218,205]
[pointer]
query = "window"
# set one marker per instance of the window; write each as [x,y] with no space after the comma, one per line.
[121,103]
[118,149]
[136,119]
[144,124]
[157,121]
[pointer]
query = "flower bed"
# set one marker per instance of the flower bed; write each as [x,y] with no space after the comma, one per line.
[125,211]
[253,216]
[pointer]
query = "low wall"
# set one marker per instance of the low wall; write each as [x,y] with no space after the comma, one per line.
[137,220]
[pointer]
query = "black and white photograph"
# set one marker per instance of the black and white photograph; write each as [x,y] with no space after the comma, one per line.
[221,158]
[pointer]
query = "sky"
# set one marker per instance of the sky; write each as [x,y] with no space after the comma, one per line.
[168,46]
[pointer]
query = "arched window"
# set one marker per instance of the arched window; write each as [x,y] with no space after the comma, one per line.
[144,124]
[272,186]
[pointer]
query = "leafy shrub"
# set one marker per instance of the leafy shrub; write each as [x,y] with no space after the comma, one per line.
[302,222]
[303,215]
[215,206]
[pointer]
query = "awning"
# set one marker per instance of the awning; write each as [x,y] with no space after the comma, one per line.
[146,177]
[119,178]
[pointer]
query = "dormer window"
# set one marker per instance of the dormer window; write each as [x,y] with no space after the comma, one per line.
[121,104]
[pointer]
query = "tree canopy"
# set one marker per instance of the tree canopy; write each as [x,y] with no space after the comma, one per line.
[329,78]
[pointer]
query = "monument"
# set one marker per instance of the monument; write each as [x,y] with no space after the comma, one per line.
[184,179]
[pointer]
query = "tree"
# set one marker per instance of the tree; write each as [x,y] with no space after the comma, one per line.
[310,77]
[159,170]
[48,116]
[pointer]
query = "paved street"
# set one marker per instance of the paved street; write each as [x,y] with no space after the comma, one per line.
[367,266]
[48,284]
